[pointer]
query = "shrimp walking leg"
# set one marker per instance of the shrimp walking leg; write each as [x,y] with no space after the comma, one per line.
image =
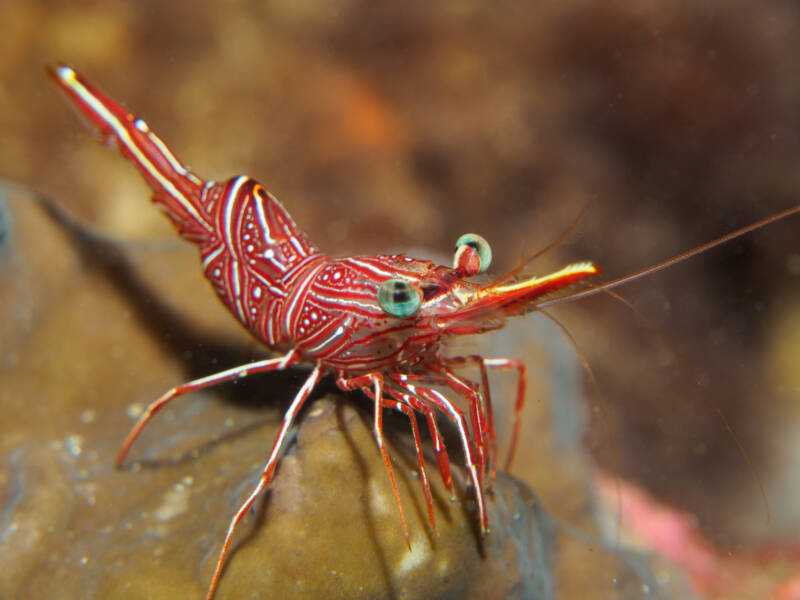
[267,473]
[262,366]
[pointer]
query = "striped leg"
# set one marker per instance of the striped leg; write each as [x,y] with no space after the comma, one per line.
[267,473]
[481,429]
[505,364]
[439,448]
[487,398]
[271,364]
[441,402]
[401,403]
[376,381]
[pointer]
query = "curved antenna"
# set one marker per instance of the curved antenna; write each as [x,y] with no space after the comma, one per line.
[603,413]
[703,388]
[674,260]
[510,275]
[568,232]
[523,262]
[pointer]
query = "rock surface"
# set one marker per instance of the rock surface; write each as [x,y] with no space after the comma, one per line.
[81,361]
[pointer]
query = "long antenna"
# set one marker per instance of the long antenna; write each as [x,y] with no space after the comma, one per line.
[703,388]
[568,232]
[674,260]
[601,401]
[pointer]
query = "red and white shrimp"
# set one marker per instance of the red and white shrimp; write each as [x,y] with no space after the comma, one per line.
[377,323]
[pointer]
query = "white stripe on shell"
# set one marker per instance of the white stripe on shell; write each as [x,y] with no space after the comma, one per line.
[228,216]
[69,78]
[328,341]
[297,245]
[391,274]
[233,273]
[211,257]
[339,302]
[262,218]
[274,290]
[297,295]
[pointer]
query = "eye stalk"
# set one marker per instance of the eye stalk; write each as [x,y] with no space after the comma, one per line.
[399,298]
[473,255]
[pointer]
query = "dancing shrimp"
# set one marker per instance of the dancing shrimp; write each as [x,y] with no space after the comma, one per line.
[376,323]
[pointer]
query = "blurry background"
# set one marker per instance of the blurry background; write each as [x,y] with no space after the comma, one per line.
[388,126]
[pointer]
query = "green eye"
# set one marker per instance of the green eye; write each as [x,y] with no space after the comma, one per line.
[473,254]
[398,298]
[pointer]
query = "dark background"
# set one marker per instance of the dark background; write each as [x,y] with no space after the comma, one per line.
[388,126]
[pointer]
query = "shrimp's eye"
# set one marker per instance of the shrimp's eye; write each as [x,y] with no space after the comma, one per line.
[473,254]
[398,298]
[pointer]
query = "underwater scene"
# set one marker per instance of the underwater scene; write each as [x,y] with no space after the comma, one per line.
[378,405]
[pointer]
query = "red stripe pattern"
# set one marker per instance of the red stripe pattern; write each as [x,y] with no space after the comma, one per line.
[326,311]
